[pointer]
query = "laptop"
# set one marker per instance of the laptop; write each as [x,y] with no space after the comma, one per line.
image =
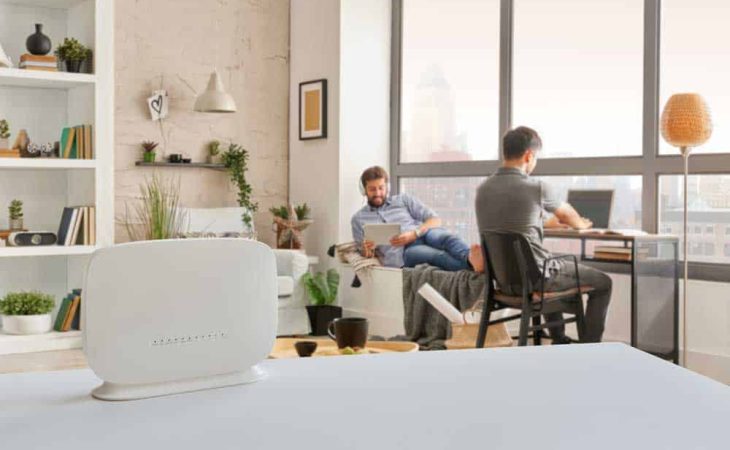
[595,205]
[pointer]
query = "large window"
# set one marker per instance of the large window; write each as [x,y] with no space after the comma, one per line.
[626,213]
[578,74]
[591,77]
[709,214]
[695,56]
[452,198]
[450,82]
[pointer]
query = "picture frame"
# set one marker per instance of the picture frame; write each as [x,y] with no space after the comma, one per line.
[313,109]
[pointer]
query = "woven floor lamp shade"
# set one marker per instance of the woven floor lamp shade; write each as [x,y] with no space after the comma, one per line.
[686,123]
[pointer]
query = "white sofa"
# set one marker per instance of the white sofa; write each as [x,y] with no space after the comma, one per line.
[290,266]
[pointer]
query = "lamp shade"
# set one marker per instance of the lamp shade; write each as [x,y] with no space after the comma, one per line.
[215,99]
[686,121]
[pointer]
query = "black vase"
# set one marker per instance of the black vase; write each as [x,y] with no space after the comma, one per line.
[73,66]
[38,43]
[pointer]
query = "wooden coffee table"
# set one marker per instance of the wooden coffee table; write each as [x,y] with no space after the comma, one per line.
[284,347]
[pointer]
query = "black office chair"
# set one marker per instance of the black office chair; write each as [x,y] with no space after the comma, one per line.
[514,280]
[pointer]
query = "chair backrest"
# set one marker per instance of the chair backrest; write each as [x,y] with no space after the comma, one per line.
[509,261]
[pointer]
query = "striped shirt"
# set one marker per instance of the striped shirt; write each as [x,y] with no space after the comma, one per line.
[402,209]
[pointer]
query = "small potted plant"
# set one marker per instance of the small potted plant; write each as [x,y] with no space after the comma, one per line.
[73,53]
[26,312]
[290,222]
[322,292]
[214,151]
[149,151]
[4,134]
[15,211]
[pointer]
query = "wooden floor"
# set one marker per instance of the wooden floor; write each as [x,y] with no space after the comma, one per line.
[43,361]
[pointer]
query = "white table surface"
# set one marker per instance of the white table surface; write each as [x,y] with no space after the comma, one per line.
[606,396]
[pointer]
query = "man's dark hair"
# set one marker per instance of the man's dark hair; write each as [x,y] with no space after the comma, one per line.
[373,173]
[516,142]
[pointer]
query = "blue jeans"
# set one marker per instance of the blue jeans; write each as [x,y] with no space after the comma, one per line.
[438,248]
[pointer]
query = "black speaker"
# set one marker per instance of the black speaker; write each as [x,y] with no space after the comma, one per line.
[31,238]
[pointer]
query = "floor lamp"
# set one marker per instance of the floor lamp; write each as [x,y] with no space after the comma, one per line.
[685,124]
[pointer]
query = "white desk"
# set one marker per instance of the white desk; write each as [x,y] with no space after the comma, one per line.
[605,396]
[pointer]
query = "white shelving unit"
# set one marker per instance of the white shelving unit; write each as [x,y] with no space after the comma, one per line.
[44,103]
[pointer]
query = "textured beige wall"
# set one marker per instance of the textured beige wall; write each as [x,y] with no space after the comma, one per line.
[176,44]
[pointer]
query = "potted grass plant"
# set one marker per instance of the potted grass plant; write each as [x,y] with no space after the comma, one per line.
[26,312]
[158,214]
[322,289]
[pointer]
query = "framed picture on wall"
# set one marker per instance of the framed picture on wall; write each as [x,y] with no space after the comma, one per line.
[313,109]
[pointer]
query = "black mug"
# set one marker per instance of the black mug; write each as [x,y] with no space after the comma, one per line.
[349,331]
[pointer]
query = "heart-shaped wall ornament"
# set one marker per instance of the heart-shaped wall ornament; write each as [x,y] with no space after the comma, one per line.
[158,105]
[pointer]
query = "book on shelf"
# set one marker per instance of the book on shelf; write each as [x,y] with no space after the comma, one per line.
[616,253]
[77,142]
[5,153]
[25,65]
[612,256]
[27,57]
[41,69]
[69,312]
[38,62]
[613,249]
[77,226]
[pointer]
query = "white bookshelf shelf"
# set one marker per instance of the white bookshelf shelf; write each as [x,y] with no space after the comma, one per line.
[54,340]
[46,163]
[55,4]
[47,80]
[47,250]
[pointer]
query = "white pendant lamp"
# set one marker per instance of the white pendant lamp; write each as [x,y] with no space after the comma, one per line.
[215,99]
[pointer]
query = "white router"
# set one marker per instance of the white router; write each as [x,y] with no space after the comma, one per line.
[164,317]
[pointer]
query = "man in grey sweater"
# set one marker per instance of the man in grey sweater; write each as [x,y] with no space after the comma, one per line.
[510,200]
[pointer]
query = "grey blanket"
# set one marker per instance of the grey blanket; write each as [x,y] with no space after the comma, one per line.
[425,325]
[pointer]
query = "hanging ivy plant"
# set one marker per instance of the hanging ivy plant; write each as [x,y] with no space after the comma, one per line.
[236,161]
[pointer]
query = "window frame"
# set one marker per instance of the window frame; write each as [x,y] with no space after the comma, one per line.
[650,165]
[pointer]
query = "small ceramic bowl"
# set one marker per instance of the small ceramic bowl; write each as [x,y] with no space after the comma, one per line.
[305,348]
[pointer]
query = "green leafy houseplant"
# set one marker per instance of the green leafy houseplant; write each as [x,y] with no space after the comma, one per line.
[15,214]
[26,304]
[72,50]
[214,148]
[322,288]
[73,53]
[4,129]
[214,151]
[235,159]
[302,211]
[149,151]
[158,215]
[15,209]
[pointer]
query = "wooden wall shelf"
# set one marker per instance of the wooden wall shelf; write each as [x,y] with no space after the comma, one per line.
[181,165]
